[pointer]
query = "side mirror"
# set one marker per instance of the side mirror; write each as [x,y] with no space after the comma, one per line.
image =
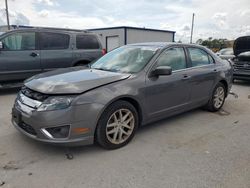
[162,71]
[1,45]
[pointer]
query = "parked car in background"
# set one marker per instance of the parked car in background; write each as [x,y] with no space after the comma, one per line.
[128,87]
[226,53]
[241,62]
[26,52]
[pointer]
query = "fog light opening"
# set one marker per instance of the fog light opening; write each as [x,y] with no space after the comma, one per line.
[57,132]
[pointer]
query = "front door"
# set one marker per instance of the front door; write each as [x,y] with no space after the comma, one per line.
[20,57]
[168,93]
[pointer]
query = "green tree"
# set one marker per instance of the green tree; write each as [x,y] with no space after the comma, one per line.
[214,44]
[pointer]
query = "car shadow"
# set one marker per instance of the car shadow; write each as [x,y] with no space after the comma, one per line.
[9,91]
[168,121]
[91,150]
[242,82]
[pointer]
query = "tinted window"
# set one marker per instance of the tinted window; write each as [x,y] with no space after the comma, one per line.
[87,42]
[198,57]
[54,41]
[174,58]
[20,41]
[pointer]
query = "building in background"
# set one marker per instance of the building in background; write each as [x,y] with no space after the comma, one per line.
[113,37]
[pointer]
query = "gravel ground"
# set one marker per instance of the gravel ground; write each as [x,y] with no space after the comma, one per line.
[194,149]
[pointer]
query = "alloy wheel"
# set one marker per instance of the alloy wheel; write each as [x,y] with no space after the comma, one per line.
[120,126]
[219,97]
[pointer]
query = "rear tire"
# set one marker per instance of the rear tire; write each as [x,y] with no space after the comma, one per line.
[217,99]
[117,125]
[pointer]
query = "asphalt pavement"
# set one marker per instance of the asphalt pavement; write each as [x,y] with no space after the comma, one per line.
[193,150]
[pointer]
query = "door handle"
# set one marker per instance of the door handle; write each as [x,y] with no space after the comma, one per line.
[33,54]
[186,77]
[215,70]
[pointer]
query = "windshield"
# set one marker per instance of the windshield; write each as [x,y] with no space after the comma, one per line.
[127,59]
[227,52]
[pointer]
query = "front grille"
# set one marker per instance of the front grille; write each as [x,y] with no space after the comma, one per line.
[242,66]
[33,94]
[27,128]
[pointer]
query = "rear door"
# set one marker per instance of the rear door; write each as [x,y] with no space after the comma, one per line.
[87,48]
[20,57]
[203,74]
[56,51]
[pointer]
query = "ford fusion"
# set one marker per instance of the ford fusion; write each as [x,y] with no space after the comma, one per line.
[123,90]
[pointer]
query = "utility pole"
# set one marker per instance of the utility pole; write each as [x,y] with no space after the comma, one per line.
[192,30]
[7,14]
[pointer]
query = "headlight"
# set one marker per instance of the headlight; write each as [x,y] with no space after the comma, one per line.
[56,103]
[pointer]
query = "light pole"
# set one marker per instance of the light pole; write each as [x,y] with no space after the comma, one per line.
[192,29]
[7,14]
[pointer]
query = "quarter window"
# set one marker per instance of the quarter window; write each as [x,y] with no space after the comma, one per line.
[174,58]
[54,41]
[199,57]
[20,41]
[87,42]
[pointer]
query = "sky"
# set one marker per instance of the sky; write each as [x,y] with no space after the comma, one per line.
[218,19]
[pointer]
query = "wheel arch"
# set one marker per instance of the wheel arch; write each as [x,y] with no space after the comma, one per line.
[224,82]
[81,61]
[129,99]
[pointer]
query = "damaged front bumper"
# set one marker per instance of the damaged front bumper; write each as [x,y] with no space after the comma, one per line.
[70,127]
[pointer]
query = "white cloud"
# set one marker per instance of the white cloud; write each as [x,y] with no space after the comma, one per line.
[218,19]
[47,2]
[43,13]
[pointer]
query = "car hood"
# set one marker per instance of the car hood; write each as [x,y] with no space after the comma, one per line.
[241,45]
[73,80]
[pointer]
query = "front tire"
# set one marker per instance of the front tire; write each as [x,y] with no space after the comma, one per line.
[117,125]
[217,99]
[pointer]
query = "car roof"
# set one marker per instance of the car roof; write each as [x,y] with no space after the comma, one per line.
[51,30]
[165,44]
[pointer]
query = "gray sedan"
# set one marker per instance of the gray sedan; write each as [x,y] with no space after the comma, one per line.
[125,89]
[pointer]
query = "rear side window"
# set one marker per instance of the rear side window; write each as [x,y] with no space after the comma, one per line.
[87,42]
[20,41]
[54,41]
[174,58]
[199,57]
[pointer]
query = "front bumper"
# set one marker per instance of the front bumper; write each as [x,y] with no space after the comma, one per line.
[81,116]
[241,74]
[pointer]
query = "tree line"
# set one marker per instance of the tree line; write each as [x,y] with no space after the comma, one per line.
[215,44]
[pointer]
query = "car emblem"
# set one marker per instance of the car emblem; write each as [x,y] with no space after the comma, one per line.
[246,65]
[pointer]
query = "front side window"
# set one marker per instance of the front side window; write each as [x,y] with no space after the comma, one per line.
[127,59]
[174,58]
[198,57]
[20,41]
[87,42]
[54,41]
